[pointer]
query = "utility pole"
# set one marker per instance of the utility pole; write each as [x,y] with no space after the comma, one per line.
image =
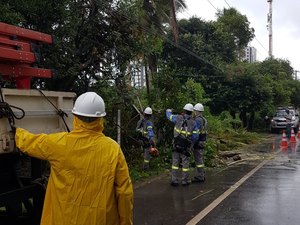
[270,28]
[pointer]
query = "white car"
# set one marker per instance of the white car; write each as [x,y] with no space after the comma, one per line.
[282,118]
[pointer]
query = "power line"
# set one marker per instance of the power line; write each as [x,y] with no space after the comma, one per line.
[259,53]
[186,50]
[189,32]
[185,14]
[223,56]
[255,36]
[227,3]
[189,15]
[192,54]
[181,28]
[212,5]
[261,44]
[230,7]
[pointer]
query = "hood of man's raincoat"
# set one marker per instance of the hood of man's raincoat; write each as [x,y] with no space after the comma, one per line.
[97,125]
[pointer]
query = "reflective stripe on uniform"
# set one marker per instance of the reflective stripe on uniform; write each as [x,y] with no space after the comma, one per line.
[146,161]
[171,117]
[200,166]
[149,127]
[185,169]
[175,167]
[182,132]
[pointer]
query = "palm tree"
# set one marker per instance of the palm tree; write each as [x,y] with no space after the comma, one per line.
[159,14]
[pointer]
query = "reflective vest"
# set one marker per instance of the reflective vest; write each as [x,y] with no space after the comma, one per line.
[184,126]
[203,124]
[143,126]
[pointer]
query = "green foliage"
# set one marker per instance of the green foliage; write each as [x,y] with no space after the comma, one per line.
[228,121]
[237,25]
[210,153]
[278,69]
[166,89]
[279,76]
[206,41]
[195,92]
[246,87]
[8,14]
[294,87]
[94,40]
[158,165]
[173,93]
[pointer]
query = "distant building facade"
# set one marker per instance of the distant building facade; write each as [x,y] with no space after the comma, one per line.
[250,54]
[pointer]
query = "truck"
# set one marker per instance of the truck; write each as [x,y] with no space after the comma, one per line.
[23,178]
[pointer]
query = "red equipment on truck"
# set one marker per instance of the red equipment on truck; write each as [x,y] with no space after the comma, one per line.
[22,188]
[19,54]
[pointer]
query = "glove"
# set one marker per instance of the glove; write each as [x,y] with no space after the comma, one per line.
[169,110]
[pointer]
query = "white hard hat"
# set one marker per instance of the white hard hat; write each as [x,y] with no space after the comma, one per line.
[199,107]
[89,104]
[189,107]
[148,111]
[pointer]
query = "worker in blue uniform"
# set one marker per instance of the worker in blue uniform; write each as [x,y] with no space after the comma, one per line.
[184,134]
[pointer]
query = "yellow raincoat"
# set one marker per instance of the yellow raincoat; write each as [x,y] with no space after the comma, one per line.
[89,183]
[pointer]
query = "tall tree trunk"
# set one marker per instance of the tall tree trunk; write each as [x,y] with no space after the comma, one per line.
[251,121]
[243,117]
[152,61]
[173,21]
[147,84]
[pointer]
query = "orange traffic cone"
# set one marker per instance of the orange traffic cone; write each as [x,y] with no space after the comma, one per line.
[283,143]
[298,135]
[273,145]
[293,138]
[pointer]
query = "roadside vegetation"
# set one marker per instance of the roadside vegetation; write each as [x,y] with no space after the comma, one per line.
[101,45]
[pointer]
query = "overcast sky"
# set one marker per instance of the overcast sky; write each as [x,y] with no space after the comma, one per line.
[286,24]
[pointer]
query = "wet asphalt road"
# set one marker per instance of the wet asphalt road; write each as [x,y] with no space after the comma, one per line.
[262,192]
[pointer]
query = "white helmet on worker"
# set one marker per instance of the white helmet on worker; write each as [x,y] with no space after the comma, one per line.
[199,107]
[89,104]
[188,107]
[148,111]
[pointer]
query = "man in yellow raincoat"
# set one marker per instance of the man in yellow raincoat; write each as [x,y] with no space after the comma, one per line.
[89,183]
